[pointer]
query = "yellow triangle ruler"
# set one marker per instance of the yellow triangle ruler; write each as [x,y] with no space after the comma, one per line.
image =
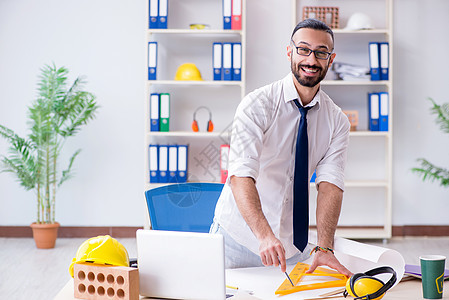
[299,271]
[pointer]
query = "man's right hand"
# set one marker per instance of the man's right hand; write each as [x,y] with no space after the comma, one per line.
[272,252]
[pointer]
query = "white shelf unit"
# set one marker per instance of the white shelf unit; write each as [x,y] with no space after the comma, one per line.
[194,31]
[176,45]
[362,190]
[193,83]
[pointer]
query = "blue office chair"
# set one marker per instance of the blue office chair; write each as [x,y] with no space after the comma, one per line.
[183,207]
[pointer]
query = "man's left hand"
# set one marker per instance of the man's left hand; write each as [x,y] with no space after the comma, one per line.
[328,259]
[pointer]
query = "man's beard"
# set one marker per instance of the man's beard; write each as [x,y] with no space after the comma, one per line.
[307,81]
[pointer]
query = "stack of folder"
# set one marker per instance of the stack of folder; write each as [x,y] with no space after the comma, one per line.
[232,14]
[227,61]
[379,60]
[160,112]
[378,111]
[158,14]
[168,163]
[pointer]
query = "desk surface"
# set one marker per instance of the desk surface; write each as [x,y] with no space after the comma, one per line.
[66,293]
[406,290]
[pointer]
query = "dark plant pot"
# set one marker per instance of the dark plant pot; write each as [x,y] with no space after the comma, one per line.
[45,235]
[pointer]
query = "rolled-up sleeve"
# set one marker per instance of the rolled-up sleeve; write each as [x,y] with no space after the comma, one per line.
[247,137]
[331,168]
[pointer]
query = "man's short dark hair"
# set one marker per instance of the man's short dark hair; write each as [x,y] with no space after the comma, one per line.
[314,24]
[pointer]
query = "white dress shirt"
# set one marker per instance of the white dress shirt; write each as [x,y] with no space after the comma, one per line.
[263,146]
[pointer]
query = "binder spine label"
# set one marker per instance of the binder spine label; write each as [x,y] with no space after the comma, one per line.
[236,22]
[164,121]
[227,14]
[227,61]
[163,164]
[384,111]
[152,60]
[172,163]
[182,163]
[163,13]
[373,107]
[374,61]
[217,57]
[384,61]
[237,61]
[153,163]
[154,14]
[154,112]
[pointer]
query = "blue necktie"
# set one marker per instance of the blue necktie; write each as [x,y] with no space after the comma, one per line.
[301,183]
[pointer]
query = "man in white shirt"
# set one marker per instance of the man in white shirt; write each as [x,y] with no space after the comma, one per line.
[254,211]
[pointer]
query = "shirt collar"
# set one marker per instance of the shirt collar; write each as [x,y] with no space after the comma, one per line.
[290,92]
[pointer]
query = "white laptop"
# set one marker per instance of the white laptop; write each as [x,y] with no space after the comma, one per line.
[181,265]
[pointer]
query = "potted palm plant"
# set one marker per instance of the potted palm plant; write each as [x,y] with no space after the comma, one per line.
[427,170]
[56,114]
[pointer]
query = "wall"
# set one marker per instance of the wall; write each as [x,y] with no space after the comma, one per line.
[419,27]
[105,41]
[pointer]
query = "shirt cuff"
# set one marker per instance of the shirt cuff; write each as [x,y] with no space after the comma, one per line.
[329,174]
[244,167]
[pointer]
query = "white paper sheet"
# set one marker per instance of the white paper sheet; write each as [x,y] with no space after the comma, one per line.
[357,257]
[360,257]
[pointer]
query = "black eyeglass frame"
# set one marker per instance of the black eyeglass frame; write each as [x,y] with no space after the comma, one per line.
[310,52]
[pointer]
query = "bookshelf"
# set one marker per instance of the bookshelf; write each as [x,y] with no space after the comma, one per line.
[369,167]
[179,44]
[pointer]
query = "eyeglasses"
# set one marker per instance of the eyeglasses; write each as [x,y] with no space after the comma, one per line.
[306,52]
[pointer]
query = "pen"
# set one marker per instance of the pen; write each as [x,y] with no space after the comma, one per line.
[289,278]
[236,288]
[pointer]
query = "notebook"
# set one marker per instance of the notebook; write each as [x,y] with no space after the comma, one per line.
[181,265]
[415,271]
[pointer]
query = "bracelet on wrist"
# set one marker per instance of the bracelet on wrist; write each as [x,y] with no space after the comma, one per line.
[322,249]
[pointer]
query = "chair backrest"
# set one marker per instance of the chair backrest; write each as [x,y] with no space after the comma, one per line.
[183,207]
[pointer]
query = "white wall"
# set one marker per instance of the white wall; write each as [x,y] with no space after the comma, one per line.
[419,27]
[105,41]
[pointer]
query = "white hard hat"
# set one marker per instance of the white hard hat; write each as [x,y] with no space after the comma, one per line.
[359,21]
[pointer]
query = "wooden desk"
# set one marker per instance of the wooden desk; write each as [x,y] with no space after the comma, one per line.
[66,293]
[407,290]
[411,290]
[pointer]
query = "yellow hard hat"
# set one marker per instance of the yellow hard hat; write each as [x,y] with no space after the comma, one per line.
[188,71]
[101,250]
[199,26]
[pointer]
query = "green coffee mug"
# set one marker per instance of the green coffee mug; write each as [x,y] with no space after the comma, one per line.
[432,270]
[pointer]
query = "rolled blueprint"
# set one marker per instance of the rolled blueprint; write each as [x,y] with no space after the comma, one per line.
[360,257]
